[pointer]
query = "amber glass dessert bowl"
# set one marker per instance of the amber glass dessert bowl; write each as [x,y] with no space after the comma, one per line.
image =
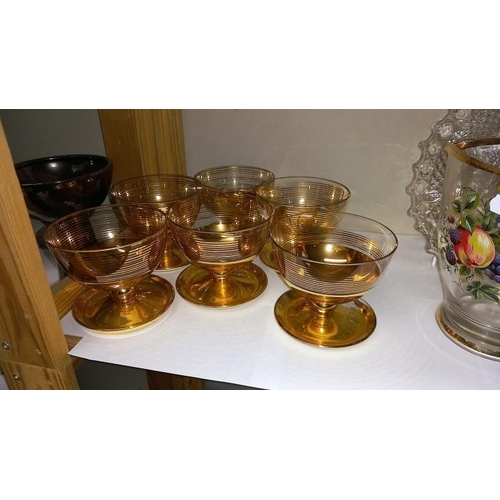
[160,191]
[244,178]
[219,181]
[112,250]
[221,243]
[329,261]
[59,185]
[293,195]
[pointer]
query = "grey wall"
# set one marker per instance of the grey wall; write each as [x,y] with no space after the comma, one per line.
[370,151]
[49,132]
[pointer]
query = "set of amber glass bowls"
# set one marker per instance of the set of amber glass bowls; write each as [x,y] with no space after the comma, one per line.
[212,227]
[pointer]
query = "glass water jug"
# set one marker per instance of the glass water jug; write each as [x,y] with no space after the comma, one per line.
[469,246]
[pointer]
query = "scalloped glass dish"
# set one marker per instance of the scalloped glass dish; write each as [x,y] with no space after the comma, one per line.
[429,170]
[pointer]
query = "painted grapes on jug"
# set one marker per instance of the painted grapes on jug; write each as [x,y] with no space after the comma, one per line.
[470,245]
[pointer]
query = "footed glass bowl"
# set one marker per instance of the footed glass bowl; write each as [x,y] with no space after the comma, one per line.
[160,191]
[221,245]
[291,196]
[329,261]
[112,250]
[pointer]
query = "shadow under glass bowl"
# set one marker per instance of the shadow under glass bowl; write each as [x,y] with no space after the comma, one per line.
[59,185]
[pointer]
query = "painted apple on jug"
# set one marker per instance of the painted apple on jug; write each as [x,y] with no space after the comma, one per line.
[474,249]
[469,240]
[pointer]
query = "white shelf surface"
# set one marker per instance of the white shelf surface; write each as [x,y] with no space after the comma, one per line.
[246,346]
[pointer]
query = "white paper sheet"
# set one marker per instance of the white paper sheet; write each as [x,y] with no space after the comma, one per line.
[246,345]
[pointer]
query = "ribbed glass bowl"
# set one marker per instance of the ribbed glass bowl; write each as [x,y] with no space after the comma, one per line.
[291,196]
[113,250]
[243,178]
[221,244]
[329,261]
[160,191]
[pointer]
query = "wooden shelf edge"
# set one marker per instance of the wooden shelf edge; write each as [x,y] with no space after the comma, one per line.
[64,294]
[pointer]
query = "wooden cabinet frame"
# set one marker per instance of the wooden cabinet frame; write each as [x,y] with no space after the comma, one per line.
[144,141]
[33,346]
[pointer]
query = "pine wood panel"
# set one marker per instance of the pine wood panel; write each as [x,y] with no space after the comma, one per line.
[169,137]
[144,141]
[29,321]
[168,381]
[120,139]
[64,294]
[30,377]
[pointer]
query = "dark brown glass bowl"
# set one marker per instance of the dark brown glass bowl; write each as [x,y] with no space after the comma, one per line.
[59,185]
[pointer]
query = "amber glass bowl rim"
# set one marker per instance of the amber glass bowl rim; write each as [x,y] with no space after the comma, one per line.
[197,185]
[220,233]
[222,168]
[262,189]
[388,231]
[105,208]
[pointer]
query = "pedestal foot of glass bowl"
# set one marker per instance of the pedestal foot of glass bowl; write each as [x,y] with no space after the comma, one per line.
[346,324]
[199,286]
[172,261]
[96,309]
[473,341]
[267,257]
